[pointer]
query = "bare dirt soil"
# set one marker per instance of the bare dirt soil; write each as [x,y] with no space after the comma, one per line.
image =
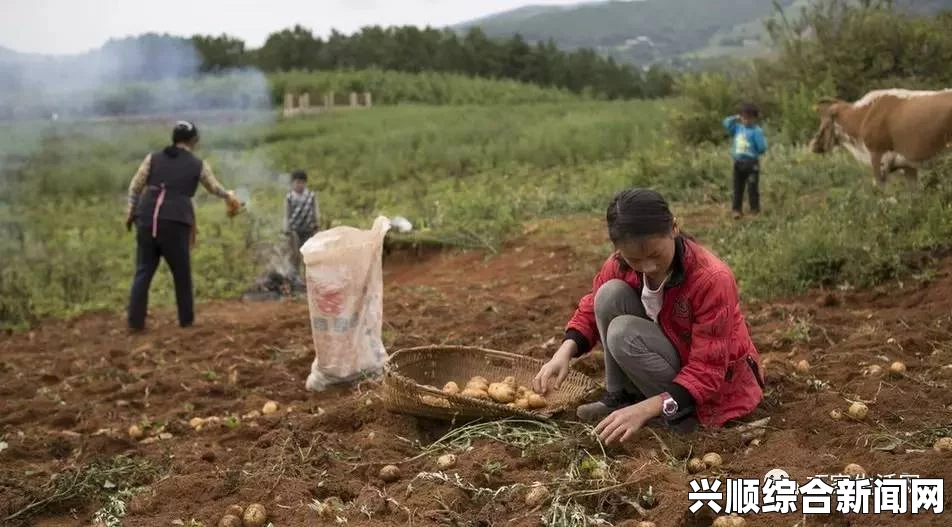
[69,392]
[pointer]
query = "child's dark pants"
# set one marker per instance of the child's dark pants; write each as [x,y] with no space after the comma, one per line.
[746,173]
[172,244]
[296,241]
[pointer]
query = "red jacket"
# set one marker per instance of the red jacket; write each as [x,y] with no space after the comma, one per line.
[701,316]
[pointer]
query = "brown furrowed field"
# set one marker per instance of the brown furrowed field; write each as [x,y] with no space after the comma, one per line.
[69,393]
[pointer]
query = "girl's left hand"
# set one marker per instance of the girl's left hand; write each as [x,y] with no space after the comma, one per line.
[621,425]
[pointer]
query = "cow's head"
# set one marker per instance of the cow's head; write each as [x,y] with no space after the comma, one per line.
[827,137]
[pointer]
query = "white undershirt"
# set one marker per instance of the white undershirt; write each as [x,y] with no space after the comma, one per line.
[651,299]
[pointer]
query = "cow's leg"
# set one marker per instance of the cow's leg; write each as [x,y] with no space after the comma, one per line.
[879,175]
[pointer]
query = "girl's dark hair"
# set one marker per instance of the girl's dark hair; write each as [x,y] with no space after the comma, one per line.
[299,175]
[638,212]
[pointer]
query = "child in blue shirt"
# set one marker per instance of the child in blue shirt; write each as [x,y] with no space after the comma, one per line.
[747,145]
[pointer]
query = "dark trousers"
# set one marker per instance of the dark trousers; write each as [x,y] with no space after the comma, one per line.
[746,173]
[172,245]
[296,240]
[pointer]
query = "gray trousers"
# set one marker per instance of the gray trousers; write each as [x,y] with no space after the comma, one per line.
[639,358]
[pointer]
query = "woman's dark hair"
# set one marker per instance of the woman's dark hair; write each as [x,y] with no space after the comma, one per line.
[298,175]
[638,212]
[183,132]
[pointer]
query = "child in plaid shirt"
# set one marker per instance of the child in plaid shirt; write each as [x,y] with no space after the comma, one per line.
[301,216]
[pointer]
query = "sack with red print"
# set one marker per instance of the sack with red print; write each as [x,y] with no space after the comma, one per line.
[344,276]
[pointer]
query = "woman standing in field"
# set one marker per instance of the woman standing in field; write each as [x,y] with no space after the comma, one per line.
[160,206]
[667,313]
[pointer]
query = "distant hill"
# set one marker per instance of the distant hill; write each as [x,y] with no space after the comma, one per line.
[655,31]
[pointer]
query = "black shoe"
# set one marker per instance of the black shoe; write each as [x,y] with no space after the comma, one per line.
[594,412]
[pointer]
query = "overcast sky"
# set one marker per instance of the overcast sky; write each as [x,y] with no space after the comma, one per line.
[73,26]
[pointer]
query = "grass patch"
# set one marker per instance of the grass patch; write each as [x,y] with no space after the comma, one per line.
[466,176]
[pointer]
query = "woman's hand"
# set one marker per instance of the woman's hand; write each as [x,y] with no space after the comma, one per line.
[621,425]
[556,370]
[232,204]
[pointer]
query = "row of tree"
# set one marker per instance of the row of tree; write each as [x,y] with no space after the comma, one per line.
[411,49]
[153,57]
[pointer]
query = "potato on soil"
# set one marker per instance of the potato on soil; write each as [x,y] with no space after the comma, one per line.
[897,368]
[451,388]
[446,461]
[943,444]
[803,367]
[502,393]
[729,521]
[858,410]
[235,510]
[537,495]
[255,515]
[835,414]
[854,470]
[269,408]
[695,465]
[229,521]
[135,432]
[712,460]
[874,370]
[390,473]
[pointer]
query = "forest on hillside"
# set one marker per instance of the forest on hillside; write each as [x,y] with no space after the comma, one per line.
[154,57]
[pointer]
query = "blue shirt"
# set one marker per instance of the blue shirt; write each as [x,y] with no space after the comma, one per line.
[746,141]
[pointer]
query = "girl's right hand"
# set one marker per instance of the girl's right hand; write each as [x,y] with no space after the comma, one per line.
[556,370]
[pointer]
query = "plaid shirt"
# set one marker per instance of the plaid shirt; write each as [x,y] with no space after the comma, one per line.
[301,211]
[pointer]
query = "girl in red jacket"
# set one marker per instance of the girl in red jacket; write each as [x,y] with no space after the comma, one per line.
[667,313]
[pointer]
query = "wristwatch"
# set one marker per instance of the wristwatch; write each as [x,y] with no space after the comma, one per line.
[669,407]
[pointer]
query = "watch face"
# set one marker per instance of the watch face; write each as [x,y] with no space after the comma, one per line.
[669,407]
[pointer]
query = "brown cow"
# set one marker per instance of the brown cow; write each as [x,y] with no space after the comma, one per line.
[888,130]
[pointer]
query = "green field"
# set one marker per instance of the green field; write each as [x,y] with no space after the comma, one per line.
[467,175]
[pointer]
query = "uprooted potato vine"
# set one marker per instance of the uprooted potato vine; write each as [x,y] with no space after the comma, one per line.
[589,474]
[112,481]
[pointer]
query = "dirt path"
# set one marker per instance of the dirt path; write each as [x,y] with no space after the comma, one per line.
[70,391]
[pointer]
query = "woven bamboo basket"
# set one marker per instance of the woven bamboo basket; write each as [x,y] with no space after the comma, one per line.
[413,379]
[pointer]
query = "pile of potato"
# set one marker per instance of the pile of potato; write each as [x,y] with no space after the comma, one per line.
[507,392]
